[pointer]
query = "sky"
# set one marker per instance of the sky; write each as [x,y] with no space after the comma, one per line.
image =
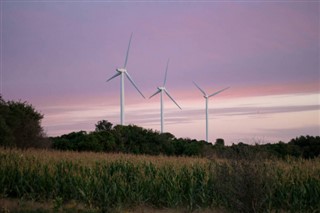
[57,56]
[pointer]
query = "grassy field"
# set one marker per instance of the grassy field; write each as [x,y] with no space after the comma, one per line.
[96,182]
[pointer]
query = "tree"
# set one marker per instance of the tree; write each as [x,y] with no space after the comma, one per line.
[103,126]
[5,131]
[20,125]
[219,142]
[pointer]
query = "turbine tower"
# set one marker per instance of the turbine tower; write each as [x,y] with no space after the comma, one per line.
[207,98]
[123,72]
[162,90]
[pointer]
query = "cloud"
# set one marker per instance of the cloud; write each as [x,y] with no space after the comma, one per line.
[190,115]
[60,119]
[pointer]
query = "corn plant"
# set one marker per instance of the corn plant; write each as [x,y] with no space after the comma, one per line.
[111,181]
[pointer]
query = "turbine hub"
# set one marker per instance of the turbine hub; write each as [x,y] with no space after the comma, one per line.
[121,70]
[161,88]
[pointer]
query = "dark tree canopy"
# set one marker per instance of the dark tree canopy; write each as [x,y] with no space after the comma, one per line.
[219,142]
[127,139]
[103,126]
[138,140]
[20,125]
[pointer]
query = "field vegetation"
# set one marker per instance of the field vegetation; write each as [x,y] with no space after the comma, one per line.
[118,182]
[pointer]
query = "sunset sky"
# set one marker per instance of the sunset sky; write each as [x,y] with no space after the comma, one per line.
[57,55]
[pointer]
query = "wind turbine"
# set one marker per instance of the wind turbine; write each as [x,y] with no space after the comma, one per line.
[123,72]
[207,98]
[162,90]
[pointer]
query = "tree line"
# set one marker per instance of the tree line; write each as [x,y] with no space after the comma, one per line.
[128,139]
[20,126]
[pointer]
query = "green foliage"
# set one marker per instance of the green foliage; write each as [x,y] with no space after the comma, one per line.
[20,125]
[128,139]
[219,142]
[137,140]
[103,126]
[189,147]
[238,186]
[307,147]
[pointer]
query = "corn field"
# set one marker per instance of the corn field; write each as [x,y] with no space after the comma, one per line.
[109,181]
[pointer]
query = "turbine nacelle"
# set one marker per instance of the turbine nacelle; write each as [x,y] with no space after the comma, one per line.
[161,88]
[121,70]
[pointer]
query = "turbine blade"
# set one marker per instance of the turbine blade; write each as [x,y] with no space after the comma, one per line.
[165,77]
[216,93]
[155,93]
[130,79]
[171,98]
[117,74]
[199,88]
[127,56]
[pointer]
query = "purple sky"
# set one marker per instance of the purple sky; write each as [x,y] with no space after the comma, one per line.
[58,54]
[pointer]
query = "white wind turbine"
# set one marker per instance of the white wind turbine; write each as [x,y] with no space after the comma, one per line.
[162,90]
[122,72]
[207,98]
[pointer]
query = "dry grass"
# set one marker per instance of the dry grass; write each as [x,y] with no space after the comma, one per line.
[90,158]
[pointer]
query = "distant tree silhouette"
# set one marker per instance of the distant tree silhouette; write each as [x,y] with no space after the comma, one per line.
[103,125]
[20,125]
[219,142]
[306,146]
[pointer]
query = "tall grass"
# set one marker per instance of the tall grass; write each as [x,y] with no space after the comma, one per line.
[107,181]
